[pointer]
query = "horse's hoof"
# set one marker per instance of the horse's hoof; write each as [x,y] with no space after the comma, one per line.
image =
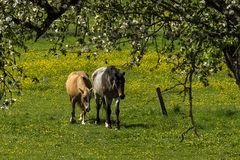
[117,125]
[107,125]
[83,122]
[97,122]
[73,120]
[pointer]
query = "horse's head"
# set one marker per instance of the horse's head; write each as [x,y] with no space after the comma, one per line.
[85,99]
[119,84]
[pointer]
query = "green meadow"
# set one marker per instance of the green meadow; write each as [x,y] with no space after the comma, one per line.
[37,126]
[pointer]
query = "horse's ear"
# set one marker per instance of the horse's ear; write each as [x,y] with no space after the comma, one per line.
[87,75]
[81,90]
[91,90]
[110,67]
[123,73]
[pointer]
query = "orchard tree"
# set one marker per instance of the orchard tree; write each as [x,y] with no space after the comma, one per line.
[196,36]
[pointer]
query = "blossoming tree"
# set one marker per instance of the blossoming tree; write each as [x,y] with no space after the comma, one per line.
[197,36]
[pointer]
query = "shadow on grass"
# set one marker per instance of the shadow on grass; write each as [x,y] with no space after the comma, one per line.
[139,125]
[124,125]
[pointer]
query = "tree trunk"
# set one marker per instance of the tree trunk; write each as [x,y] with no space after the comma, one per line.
[231,54]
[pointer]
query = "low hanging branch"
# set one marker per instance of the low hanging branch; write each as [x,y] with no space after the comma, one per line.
[193,127]
[189,79]
[52,12]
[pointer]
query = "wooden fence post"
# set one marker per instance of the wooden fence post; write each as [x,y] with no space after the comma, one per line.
[162,105]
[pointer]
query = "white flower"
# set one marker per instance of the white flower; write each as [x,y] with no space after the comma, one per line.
[124,25]
[176,5]
[35,9]
[205,64]
[137,59]
[231,12]
[64,6]
[234,2]
[12,23]
[229,6]
[202,2]
[97,16]
[2,79]
[134,22]
[8,19]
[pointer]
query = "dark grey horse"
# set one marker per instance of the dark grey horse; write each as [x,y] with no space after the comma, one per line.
[108,84]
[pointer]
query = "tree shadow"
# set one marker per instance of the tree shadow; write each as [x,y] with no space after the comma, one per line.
[138,125]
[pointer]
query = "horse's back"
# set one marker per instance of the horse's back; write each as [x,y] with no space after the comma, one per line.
[98,81]
[76,80]
[103,81]
[98,72]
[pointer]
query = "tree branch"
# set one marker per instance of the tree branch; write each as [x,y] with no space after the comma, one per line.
[52,14]
[29,25]
[218,5]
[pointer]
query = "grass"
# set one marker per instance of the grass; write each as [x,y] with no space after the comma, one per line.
[37,126]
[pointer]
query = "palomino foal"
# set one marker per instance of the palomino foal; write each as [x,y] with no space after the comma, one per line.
[78,88]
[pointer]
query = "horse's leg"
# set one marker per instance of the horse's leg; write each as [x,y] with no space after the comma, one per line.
[98,106]
[117,111]
[73,118]
[108,102]
[82,115]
